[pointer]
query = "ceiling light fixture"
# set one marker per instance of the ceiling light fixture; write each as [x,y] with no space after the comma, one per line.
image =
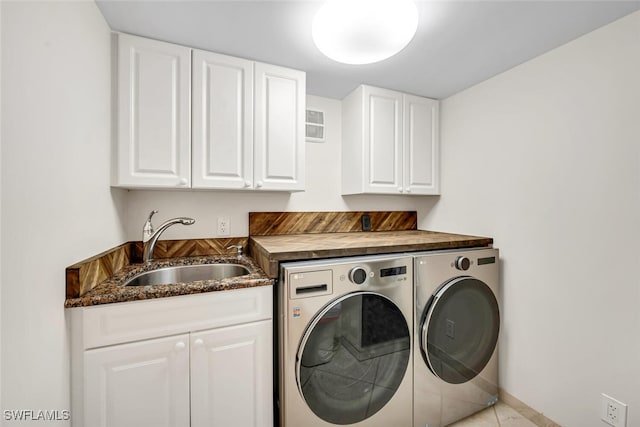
[364,31]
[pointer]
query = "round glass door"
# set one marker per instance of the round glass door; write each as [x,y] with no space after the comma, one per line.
[460,330]
[353,357]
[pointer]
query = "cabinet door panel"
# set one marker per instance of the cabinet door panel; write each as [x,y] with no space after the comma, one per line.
[421,156]
[222,121]
[231,376]
[138,384]
[383,140]
[154,122]
[279,128]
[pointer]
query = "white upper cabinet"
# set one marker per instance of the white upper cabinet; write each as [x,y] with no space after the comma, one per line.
[248,120]
[421,145]
[154,121]
[389,143]
[248,123]
[279,128]
[222,121]
[383,129]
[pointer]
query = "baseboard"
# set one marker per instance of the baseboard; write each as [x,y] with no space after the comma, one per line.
[526,411]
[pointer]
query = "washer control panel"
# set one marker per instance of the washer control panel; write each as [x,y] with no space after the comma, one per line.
[306,279]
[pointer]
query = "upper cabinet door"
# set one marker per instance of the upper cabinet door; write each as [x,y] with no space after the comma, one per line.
[421,145]
[222,121]
[154,121]
[279,128]
[382,141]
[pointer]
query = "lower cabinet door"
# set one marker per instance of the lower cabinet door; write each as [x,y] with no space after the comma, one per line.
[144,383]
[232,376]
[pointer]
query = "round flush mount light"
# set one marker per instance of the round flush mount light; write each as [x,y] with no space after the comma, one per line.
[364,31]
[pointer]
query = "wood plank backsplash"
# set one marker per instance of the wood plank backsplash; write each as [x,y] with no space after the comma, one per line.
[277,223]
[83,276]
[192,247]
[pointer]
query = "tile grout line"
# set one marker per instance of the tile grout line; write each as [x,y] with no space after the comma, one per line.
[493,408]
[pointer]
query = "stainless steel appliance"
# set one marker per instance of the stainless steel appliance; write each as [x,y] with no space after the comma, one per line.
[457,321]
[345,342]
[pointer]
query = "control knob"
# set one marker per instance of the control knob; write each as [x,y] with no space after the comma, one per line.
[358,275]
[462,263]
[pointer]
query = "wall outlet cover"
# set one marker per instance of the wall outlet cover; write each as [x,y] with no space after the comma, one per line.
[366,222]
[223,226]
[613,412]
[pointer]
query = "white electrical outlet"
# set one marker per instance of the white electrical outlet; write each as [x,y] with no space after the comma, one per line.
[613,412]
[223,226]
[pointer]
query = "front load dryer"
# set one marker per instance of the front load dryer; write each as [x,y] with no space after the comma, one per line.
[457,321]
[345,340]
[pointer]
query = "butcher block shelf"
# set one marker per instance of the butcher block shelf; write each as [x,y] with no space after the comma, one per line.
[269,251]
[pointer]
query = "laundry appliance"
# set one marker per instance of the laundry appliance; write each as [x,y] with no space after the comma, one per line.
[345,342]
[457,322]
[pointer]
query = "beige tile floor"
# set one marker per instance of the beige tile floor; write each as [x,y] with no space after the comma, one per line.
[499,415]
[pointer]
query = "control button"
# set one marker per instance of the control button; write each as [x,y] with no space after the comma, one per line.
[358,275]
[463,263]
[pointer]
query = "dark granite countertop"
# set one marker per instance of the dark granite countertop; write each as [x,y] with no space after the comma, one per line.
[113,290]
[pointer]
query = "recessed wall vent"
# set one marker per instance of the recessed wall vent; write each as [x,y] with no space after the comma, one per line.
[314,126]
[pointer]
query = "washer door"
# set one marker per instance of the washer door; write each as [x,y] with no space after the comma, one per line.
[353,357]
[460,329]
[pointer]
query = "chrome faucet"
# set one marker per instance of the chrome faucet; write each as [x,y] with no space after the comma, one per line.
[150,237]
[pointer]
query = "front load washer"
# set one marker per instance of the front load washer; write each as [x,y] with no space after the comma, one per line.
[345,341]
[457,321]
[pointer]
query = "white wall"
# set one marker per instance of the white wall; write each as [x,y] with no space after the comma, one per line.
[546,159]
[57,207]
[322,193]
[1,202]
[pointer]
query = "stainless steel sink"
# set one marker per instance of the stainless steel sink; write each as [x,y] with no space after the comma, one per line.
[187,273]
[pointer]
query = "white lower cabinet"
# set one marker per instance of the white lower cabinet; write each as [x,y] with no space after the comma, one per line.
[138,384]
[222,396]
[214,368]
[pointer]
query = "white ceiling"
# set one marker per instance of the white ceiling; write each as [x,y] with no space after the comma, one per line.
[458,43]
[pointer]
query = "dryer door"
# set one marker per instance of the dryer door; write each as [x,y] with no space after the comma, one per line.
[460,329]
[353,357]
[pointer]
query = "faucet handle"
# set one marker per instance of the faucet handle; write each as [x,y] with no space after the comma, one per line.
[147,229]
[152,213]
[238,249]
